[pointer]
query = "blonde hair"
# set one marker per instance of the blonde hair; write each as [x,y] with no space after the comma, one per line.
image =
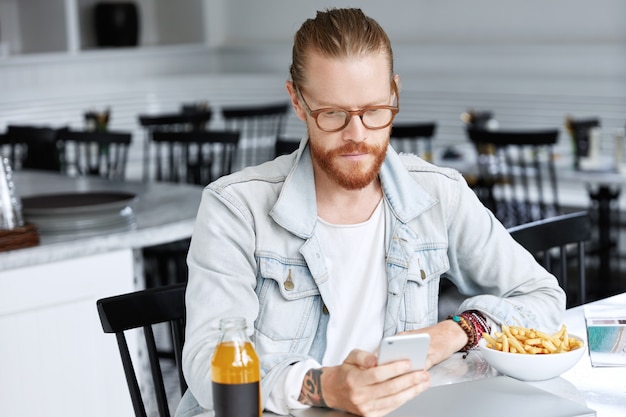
[337,33]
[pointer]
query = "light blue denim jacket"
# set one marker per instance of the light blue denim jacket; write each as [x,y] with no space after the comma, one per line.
[256,229]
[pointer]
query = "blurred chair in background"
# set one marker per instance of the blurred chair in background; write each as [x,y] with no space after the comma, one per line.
[285,146]
[555,242]
[99,152]
[604,196]
[186,120]
[31,147]
[260,126]
[192,157]
[414,138]
[517,171]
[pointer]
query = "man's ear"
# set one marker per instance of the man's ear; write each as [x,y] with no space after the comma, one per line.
[295,100]
[396,79]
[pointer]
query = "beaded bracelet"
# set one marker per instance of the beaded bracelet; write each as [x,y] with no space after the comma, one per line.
[474,325]
[467,328]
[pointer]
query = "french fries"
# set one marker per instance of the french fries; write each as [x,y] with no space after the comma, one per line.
[517,339]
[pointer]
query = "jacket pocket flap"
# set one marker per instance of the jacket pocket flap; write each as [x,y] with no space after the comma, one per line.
[428,264]
[293,279]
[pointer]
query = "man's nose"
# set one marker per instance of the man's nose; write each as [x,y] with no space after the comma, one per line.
[356,130]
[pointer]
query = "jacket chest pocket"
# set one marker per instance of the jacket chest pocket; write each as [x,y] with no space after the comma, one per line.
[290,301]
[420,298]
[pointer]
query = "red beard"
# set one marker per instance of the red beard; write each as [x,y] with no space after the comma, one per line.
[350,175]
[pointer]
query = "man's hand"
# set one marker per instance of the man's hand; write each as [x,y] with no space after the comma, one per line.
[360,387]
[446,338]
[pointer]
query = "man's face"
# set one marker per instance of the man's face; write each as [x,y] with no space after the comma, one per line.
[351,157]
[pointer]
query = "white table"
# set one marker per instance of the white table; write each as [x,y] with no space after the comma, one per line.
[602,389]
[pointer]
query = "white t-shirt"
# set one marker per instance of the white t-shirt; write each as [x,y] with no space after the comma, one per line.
[355,257]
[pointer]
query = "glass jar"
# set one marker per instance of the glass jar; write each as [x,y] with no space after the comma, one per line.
[235,372]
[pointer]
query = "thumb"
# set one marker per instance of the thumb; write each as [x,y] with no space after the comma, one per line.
[361,358]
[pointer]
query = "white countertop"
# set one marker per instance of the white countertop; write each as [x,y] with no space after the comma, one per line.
[164,212]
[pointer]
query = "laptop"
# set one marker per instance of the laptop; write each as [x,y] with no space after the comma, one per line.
[500,395]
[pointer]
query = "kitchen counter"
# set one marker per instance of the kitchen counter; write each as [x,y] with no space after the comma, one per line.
[163,212]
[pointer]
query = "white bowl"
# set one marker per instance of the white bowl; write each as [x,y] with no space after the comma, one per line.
[531,367]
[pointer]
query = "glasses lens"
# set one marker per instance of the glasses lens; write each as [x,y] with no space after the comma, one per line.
[336,119]
[332,119]
[377,118]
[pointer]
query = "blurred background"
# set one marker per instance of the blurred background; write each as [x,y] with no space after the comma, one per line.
[531,62]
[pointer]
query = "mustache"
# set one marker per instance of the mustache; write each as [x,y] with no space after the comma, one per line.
[353,147]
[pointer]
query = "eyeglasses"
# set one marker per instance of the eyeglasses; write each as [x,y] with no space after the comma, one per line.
[329,119]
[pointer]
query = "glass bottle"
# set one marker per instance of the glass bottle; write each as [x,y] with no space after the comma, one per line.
[235,372]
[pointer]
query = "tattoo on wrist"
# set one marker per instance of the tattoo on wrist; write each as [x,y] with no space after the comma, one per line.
[311,392]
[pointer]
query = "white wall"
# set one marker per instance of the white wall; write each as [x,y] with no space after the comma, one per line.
[455,21]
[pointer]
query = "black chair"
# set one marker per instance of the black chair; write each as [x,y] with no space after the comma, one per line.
[101,153]
[414,138]
[558,236]
[194,157]
[285,146]
[260,126]
[31,147]
[517,173]
[144,309]
[186,120]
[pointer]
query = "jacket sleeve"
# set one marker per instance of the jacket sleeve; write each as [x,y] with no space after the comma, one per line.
[503,279]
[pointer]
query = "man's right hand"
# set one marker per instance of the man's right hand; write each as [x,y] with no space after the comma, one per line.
[360,387]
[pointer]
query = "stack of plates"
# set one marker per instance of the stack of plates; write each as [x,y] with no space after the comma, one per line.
[100,211]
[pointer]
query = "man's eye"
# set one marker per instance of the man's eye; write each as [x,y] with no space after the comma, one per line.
[333,113]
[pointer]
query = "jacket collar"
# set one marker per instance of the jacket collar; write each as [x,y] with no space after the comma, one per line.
[296,208]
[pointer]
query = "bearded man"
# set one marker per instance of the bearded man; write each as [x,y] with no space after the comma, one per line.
[327,250]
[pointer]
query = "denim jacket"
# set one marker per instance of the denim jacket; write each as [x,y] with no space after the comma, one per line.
[256,231]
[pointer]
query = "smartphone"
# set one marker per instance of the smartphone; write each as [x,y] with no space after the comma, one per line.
[405,346]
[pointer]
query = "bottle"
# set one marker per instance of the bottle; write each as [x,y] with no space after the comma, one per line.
[235,372]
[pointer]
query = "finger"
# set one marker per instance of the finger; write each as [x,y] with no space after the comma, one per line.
[391,394]
[361,358]
[389,371]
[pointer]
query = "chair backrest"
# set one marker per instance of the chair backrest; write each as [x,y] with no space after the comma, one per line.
[285,146]
[556,236]
[414,138]
[194,157]
[142,310]
[516,168]
[31,147]
[185,120]
[260,126]
[101,153]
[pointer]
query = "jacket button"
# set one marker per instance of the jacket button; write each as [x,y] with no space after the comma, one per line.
[288,283]
[422,274]
[324,309]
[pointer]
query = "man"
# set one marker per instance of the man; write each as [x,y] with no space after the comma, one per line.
[329,249]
